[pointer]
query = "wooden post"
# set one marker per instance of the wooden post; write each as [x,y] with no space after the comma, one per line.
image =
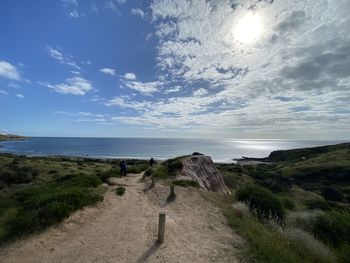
[172,195]
[161,227]
[153,183]
[172,191]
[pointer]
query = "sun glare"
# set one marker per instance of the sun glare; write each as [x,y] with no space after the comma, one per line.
[248,29]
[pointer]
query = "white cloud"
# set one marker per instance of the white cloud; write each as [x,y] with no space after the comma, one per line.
[75,86]
[3,92]
[19,96]
[13,85]
[295,76]
[173,89]
[96,98]
[200,92]
[130,76]
[137,12]
[302,57]
[60,57]
[9,71]
[70,2]
[94,8]
[113,7]
[86,117]
[119,101]
[74,14]
[108,71]
[143,87]
[89,114]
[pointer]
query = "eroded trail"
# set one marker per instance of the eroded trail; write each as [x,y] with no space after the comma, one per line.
[124,229]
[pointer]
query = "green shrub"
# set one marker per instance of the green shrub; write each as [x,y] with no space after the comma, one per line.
[120,190]
[159,171]
[137,168]
[261,201]
[333,228]
[317,204]
[173,166]
[113,172]
[344,253]
[348,198]
[266,244]
[80,180]
[332,194]
[346,190]
[41,206]
[287,203]
[13,174]
[230,180]
[186,183]
[276,183]
[148,172]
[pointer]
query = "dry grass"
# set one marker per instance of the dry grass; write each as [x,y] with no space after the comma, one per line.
[240,209]
[302,219]
[315,248]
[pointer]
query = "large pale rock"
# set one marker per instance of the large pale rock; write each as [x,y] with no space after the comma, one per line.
[201,168]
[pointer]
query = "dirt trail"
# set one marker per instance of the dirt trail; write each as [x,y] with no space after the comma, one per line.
[124,229]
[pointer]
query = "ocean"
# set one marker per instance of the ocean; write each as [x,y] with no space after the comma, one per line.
[221,150]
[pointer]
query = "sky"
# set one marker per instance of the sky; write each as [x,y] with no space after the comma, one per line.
[274,69]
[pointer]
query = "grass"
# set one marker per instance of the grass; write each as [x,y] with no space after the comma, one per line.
[137,166]
[120,190]
[261,201]
[313,185]
[37,207]
[268,242]
[186,183]
[36,192]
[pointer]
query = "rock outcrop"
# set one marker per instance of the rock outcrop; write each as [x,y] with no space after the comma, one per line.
[201,169]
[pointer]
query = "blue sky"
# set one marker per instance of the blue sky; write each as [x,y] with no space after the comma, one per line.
[122,68]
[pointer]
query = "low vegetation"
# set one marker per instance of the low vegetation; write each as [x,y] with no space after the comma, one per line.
[36,192]
[165,170]
[261,202]
[186,183]
[309,189]
[120,190]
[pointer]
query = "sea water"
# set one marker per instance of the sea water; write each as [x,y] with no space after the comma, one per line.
[221,150]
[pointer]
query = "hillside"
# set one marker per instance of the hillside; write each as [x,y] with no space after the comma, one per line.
[307,153]
[310,190]
[11,137]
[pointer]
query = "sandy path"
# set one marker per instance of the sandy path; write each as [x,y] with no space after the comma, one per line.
[124,229]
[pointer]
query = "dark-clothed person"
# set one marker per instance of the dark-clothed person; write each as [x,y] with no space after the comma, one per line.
[123,168]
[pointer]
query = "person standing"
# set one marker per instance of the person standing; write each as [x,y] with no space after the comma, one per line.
[151,162]
[123,168]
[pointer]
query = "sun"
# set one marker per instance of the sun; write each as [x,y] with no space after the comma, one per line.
[248,29]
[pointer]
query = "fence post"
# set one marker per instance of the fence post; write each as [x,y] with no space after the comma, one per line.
[172,191]
[161,227]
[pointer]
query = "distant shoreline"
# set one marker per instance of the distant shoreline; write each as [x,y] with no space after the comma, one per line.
[221,151]
[78,157]
[12,137]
